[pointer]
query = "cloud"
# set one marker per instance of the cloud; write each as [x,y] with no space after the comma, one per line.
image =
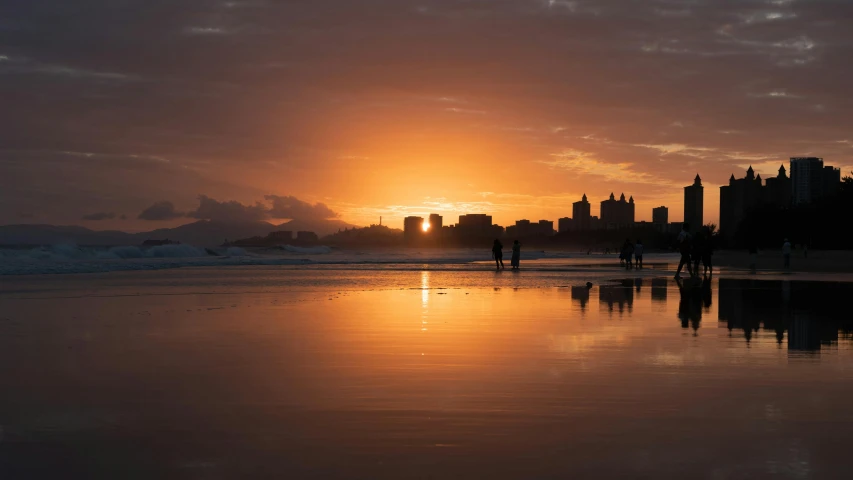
[228,211]
[163,210]
[99,216]
[294,208]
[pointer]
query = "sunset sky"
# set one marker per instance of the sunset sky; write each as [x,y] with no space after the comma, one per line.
[395,107]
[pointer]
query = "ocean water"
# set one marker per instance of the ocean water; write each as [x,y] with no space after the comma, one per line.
[67,259]
[390,371]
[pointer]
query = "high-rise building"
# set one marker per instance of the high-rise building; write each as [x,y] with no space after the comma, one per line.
[811,180]
[660,218]
[581,214]
[736,199]
[564,224]
[413,227]
[475,225]
[546,227]
[617,213]
[694,204]
[435,223]
[742,195]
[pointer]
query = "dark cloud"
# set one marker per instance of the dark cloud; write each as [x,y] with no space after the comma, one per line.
[163,210]
[99,216]
[228,211]
[293,208]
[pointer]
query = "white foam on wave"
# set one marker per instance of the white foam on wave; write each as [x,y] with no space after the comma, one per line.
[73,259]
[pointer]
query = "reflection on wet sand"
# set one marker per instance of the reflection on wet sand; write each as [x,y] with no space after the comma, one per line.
[494,381]
[812,313]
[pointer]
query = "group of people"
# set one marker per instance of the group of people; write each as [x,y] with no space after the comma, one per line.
[497,254]
[629,250]
[695,248]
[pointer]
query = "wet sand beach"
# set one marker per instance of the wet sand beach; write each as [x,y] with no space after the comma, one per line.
[374,373]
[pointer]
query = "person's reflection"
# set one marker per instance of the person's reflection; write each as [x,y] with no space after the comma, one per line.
[707,295]
[639,283]
[690,304]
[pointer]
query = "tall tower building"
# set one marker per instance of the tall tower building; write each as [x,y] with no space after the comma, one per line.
[806,179]
[580,214]
[660,218]
[811,180]
[694,204]
[435,223]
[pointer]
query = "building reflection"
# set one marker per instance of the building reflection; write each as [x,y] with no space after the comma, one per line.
[618,296]
[811,313]
[659,289]
[580,295]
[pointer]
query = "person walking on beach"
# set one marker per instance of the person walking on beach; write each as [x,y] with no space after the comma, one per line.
[683,242]
[786,253]
[627,253]
[707,252]
[638,253]
[697,248]
[516,255]
[497,253]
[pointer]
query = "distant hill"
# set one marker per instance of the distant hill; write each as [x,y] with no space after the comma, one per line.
[57,234]
[320,227]
[374,235]
[201,233]
[207,233]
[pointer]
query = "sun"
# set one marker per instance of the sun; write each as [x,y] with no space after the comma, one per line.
[426,226]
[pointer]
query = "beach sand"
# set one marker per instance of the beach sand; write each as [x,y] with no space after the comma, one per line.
[330,373]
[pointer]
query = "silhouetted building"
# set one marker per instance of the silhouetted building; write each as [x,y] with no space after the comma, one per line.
[742,195]
[581,214]
[778,189]
[527,229]
[477,225]
[565,224]
[282,236]
[811,180]
[306,237]
[413,228]
[435,224]
[660,218]
[736,199]
[694,204]
[617,213]
[546,228]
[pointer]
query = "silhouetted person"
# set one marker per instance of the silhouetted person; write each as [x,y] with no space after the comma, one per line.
[683,243]
[707,296]
[638,253]
[786,253]
[516,255]
[497,253]
[697,249]
[627,253]
[707,252]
